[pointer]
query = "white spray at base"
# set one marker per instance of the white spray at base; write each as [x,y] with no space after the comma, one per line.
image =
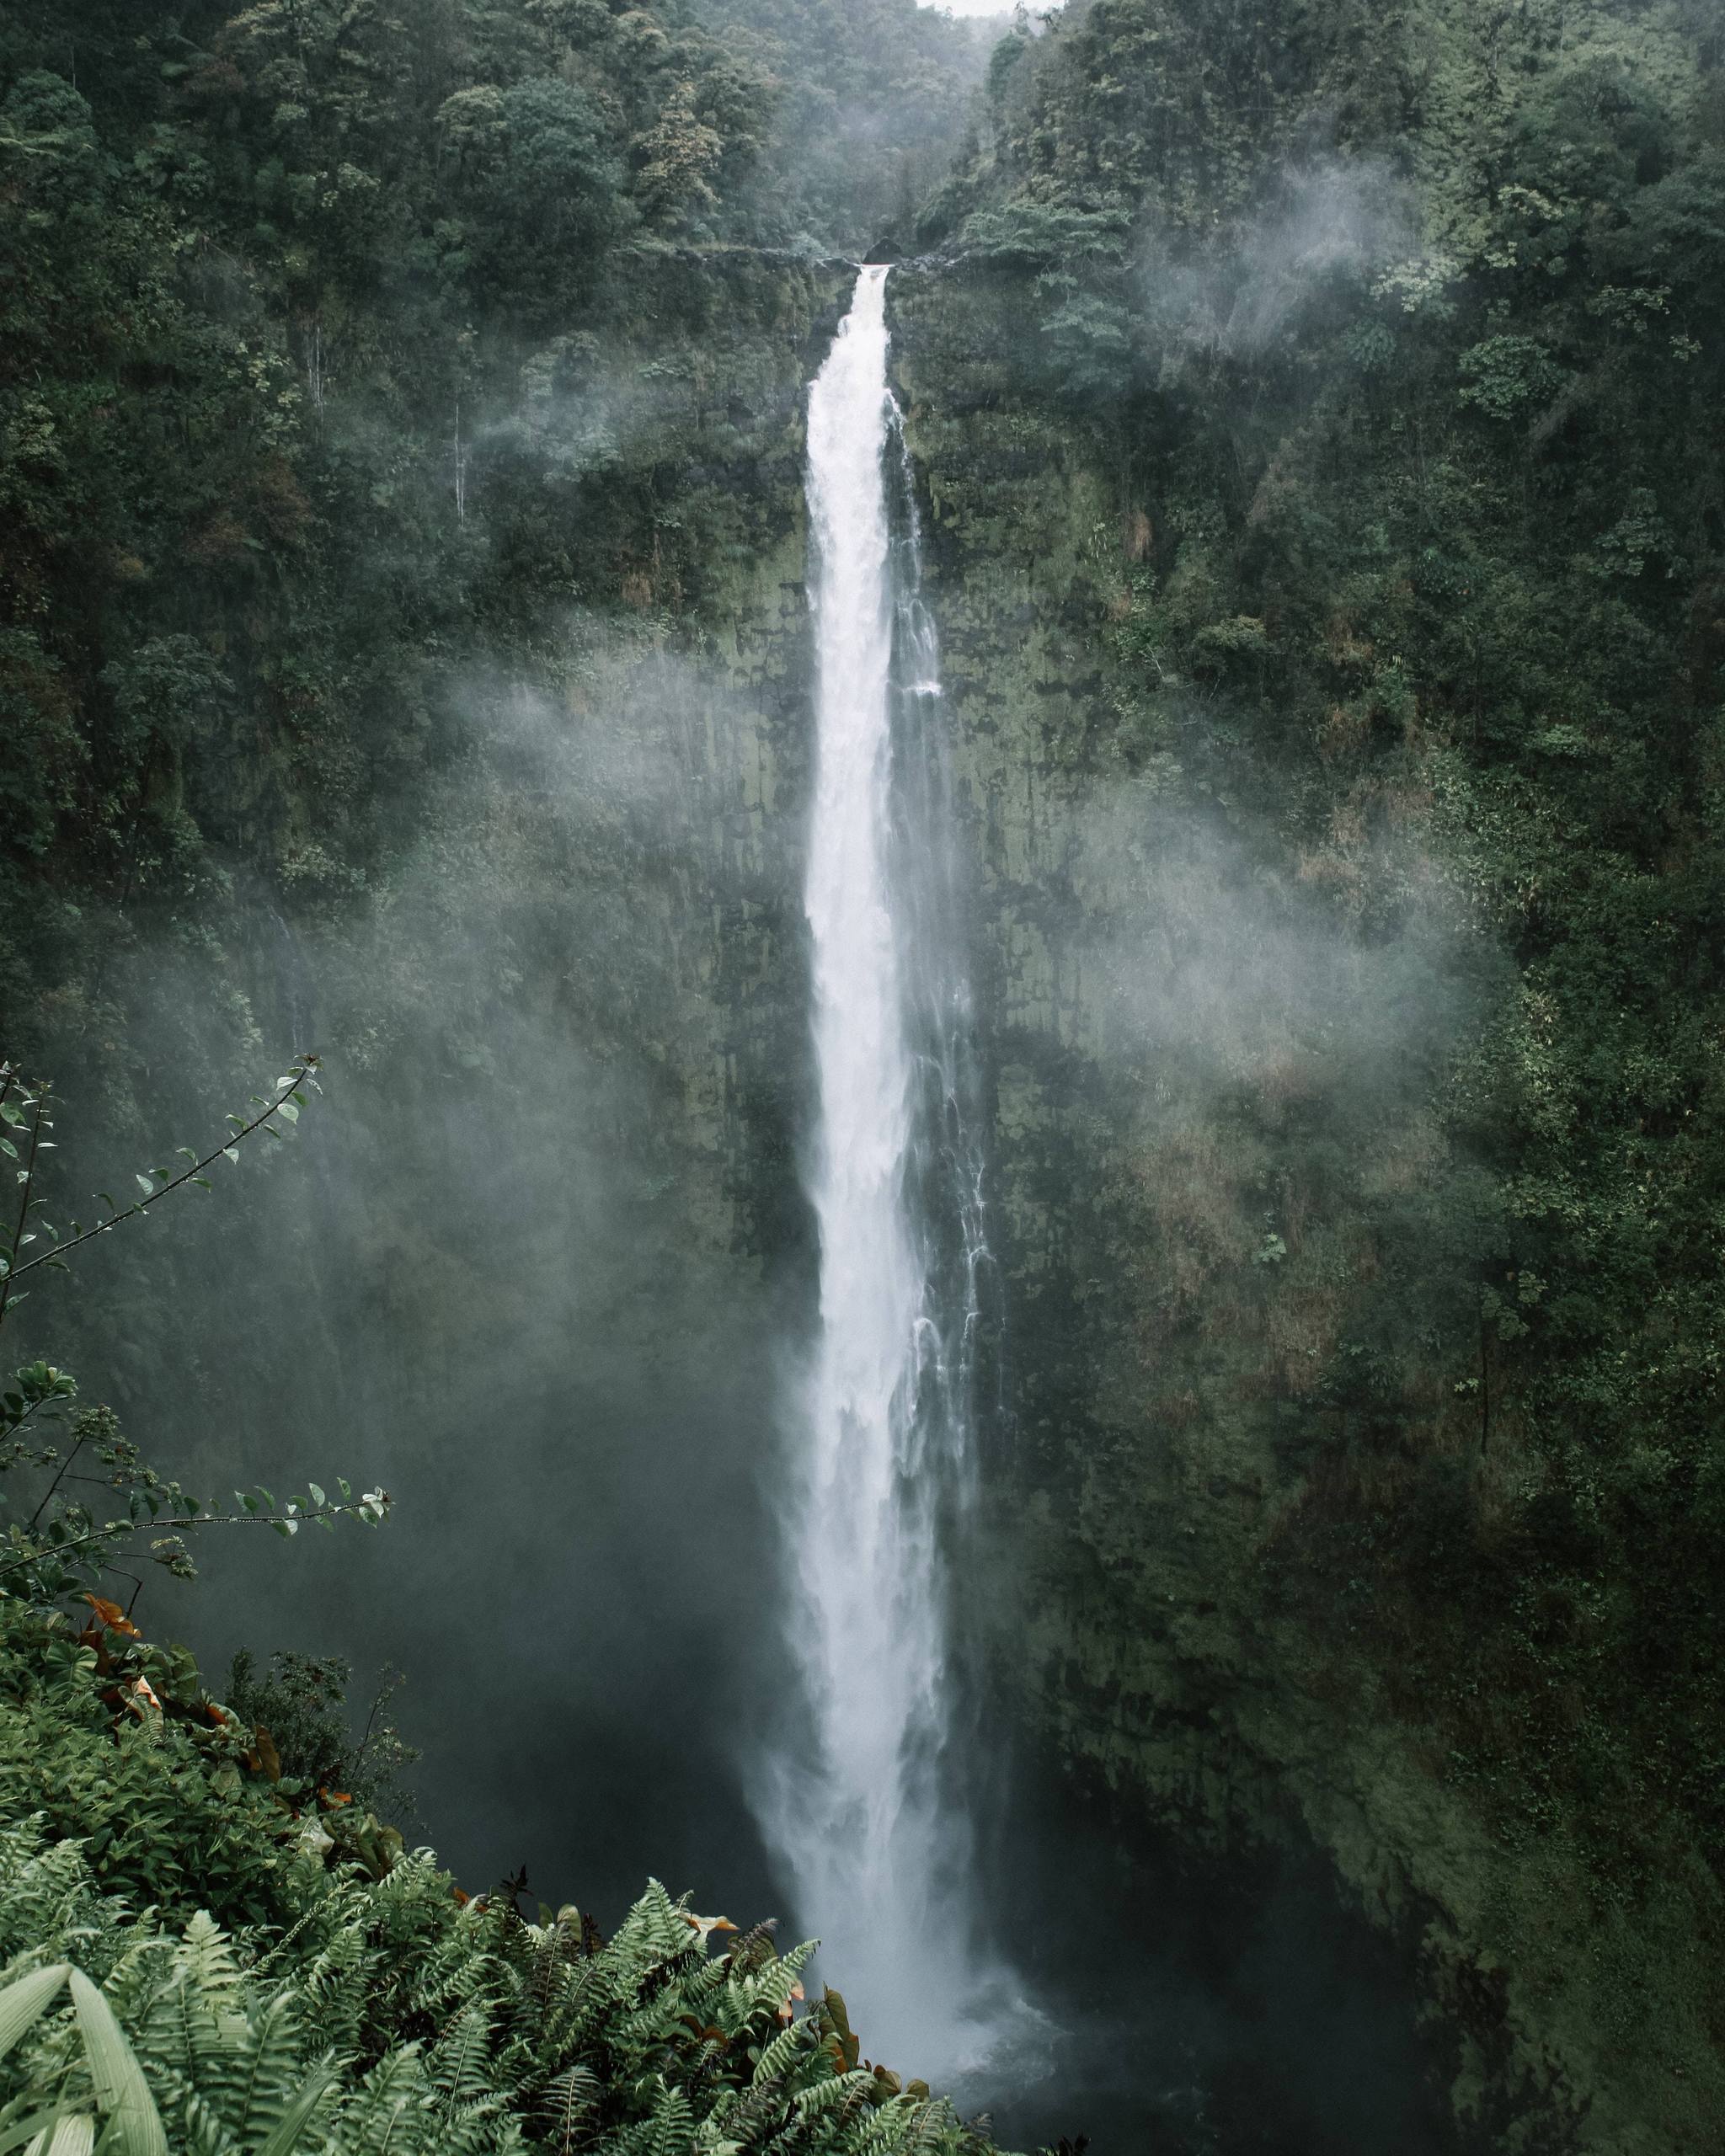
[862,1804]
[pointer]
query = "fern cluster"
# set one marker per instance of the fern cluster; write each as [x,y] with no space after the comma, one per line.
[393,2019]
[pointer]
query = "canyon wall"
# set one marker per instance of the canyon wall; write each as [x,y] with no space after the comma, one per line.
[1250,1379]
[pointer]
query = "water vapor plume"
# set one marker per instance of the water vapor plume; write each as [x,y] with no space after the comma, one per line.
[1231,967]
[1233,295]
[516,1269]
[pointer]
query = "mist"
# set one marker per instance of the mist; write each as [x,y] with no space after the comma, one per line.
[509,1272]
[1218,961]
[1319,222]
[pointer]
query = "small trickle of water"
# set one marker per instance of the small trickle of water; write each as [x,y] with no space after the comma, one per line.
[863,1805]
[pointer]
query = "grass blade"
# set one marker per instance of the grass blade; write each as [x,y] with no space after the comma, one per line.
[294,2120]
[134,2128]
[23,2004]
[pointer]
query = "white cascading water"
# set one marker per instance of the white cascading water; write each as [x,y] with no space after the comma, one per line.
[860,1806]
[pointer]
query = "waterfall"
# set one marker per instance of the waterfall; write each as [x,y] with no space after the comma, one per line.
[860,1803]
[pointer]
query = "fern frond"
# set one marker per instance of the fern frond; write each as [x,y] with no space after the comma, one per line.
[586,1995]
[820,2098]
[933,2126]
[333,1990]
[668,2130]
[139,1971]
[266,2073]
[388,2114]
[784,2052]
[568,2102]
[457,2065]
[50,1907]
[206,1959]
[888,2129]
[758,2114]
[673,2126]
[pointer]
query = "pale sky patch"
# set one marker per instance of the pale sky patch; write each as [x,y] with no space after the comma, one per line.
[970,6]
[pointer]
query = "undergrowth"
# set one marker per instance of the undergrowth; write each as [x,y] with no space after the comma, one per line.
[202,1952]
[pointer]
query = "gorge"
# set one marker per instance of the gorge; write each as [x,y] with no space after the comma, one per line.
[1017,970]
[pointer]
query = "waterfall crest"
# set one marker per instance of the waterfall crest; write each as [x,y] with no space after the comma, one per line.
[862,1807]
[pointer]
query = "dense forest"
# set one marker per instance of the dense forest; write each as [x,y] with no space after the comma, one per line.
[261,266]
[1312,417]
[1397,336]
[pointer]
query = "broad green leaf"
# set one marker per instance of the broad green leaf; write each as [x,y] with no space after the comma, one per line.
[317,1496]
[291,1110]
[27,2130]
[143,1184]
[23,2004]
[120,2088]
[74,2136]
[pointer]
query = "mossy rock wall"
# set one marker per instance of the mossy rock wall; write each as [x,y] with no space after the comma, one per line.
[1220,1182]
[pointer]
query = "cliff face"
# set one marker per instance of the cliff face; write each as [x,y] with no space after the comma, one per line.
[1252,1375]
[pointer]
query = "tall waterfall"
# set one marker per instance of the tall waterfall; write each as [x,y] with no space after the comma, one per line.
[862,1807]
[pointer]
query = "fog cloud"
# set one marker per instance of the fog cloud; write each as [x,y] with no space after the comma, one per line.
[1234,296]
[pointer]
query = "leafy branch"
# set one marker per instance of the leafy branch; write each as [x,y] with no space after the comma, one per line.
[28,1112]
[257,1509]
[61,1541]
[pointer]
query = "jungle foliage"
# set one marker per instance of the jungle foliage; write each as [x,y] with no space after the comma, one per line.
[299,301]
[254,1963]
[201,1947]
[1400,332]
[357,2012]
